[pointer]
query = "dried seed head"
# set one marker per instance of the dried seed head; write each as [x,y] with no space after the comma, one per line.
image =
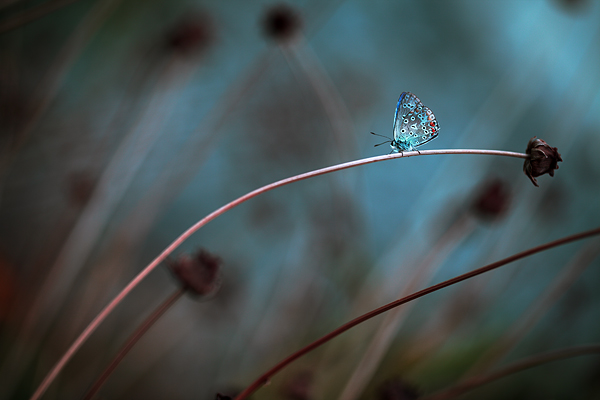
[281,22]
[543,159]
[200,273]
[493,200]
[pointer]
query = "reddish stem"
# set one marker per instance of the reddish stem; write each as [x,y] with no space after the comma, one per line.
[133,339]
[518,366]
[263,379]
[87,332]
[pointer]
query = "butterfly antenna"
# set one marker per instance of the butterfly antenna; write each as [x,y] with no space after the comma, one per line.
[387,141]
[377,134]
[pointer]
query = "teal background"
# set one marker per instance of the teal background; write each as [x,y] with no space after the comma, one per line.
[113,143]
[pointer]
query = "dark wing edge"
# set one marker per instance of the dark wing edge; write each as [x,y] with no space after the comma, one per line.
[402,97]
[430,139]
[398,107]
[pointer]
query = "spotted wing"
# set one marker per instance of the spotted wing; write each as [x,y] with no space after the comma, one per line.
[414,123]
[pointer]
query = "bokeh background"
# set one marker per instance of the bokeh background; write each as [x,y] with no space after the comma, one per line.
[124,122]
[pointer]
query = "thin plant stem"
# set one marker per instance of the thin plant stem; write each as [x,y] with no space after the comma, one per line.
[112,186]
[264,378]
[190,231]
[133,339]
[536,310]
[391,324]
[15,362]
[56,75]
[518,366]
[299,54]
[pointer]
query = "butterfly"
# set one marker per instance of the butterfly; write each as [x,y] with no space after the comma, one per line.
[414,124]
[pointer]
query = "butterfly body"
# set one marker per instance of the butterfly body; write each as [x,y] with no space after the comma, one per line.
[414,124]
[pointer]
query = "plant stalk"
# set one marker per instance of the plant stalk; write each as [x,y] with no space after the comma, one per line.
[190,231]
[264,378]
[133,339]
[518,366]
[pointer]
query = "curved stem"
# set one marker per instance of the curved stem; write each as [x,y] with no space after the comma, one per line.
[263,379]
[518,366]
[184,236]
[133,339]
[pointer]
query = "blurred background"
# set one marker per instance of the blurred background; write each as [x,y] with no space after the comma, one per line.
[125,122]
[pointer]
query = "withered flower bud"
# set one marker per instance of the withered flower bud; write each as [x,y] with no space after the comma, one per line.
[543,159]
[200,273]
[281,22]
[492,200]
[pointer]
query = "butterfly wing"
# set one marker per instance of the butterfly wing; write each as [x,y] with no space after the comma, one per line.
[414,123]
[406,104]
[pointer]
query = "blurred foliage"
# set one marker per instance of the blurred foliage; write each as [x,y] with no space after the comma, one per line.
[124,122]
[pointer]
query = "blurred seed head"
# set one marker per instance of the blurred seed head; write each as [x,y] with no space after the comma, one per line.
[281,22]
[493,199]
[199,273]
[192,34]
[544,159]
[397,389]
[573,5]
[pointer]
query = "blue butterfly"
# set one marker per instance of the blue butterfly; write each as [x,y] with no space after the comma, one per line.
[414,124]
